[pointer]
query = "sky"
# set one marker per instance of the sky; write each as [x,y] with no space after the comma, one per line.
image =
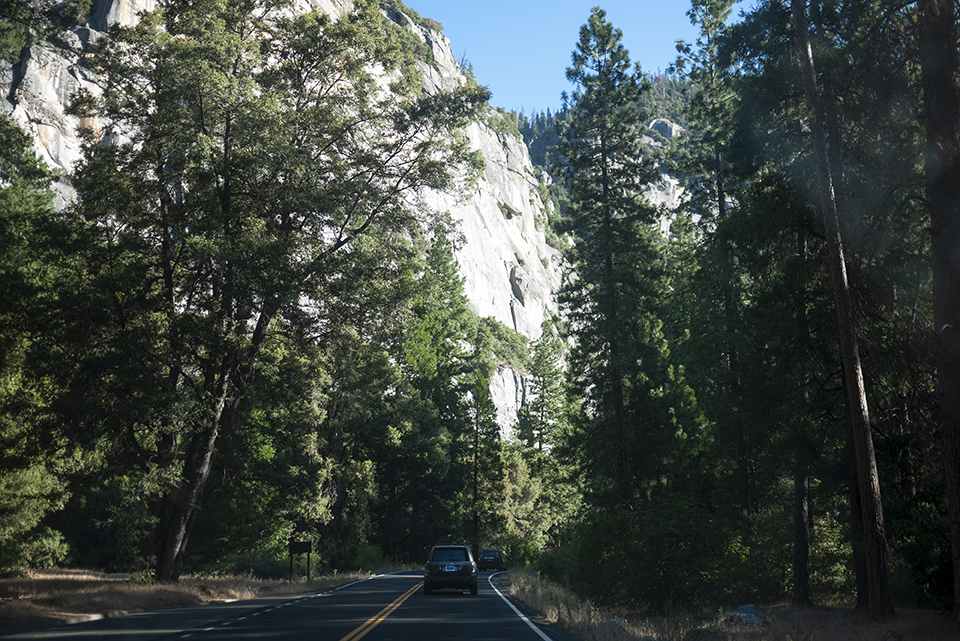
[520,49]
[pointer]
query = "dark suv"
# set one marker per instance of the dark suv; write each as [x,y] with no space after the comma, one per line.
[450,566]
[491,560]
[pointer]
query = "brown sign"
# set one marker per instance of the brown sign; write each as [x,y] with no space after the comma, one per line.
[301,547]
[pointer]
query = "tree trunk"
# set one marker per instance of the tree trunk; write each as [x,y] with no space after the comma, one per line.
[940,76]
[802,594]
[621,454]
[802,522]
[196,471]
[744,480]
[879,596]
[856,518]
[730,312]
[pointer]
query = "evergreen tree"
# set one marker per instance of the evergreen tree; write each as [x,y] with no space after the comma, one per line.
[525,518]
[437,359]
[542,425]
[710,181]
[543,429]
[33,461]
[868,483]
[940,80]
[631,410]
[483,450]
[777,240]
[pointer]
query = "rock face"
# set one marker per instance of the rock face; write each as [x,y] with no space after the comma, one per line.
[665,128]
[510,272]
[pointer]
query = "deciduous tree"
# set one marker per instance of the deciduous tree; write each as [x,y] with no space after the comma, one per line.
[241,155]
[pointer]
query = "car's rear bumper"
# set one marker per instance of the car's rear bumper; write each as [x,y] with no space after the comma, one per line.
[440,583]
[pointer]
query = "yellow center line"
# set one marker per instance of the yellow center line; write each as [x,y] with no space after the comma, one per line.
[378,618]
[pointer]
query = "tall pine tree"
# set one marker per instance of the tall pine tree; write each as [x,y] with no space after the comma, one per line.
[630,414]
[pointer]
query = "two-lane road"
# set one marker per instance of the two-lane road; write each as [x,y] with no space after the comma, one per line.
[391,607]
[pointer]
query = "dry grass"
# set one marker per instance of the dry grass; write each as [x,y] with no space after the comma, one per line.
[786,623]
[58,595]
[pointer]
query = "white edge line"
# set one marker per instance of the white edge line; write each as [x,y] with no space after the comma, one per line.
[532,625]
[369,578]
[347,585]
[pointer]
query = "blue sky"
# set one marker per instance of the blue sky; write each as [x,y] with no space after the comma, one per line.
[520,49]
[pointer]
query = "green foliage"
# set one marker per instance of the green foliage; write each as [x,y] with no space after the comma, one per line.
[498,346]
[634,414]
[543,424]
[672,552]
[407,43]
[23,23]
[247,256]
[76,11]
[540,134]
[270,563]
[370,558]
[484,504]
[16,21]
[504,122]
[46,549]
[526,522]
[542,431]
[669,96]
[397,6]
[223,218]
[26,496]
[32,459]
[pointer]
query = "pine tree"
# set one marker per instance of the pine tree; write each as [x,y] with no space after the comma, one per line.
[543,429]
[31,255]
[940,71]
[630,411]
[543,416]
[868,483]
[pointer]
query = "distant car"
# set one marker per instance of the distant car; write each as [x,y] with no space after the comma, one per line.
[491,560]
[450,567]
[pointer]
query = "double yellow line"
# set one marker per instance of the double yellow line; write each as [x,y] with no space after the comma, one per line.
[378,618]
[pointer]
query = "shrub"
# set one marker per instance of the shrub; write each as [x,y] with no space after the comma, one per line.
[370,558]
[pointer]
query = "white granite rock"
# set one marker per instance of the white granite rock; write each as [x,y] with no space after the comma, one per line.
[510,271]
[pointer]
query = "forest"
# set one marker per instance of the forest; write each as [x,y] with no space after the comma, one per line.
[246,330]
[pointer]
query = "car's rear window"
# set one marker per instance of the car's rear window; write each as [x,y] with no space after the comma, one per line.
[444,555]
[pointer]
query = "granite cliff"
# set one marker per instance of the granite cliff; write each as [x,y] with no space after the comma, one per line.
[510,271]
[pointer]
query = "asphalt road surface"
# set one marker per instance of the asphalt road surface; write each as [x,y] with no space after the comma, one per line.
[390,607]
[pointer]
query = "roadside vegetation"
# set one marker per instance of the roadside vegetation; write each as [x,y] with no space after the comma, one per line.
[554,604]
[247,331]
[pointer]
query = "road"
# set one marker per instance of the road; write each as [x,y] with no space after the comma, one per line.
[389,607]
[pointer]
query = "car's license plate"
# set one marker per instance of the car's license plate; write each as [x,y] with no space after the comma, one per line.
[450,568]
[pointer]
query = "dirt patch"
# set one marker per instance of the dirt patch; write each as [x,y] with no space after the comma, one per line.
[43,596]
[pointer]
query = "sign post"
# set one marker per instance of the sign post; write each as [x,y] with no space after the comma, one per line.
[300,547]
